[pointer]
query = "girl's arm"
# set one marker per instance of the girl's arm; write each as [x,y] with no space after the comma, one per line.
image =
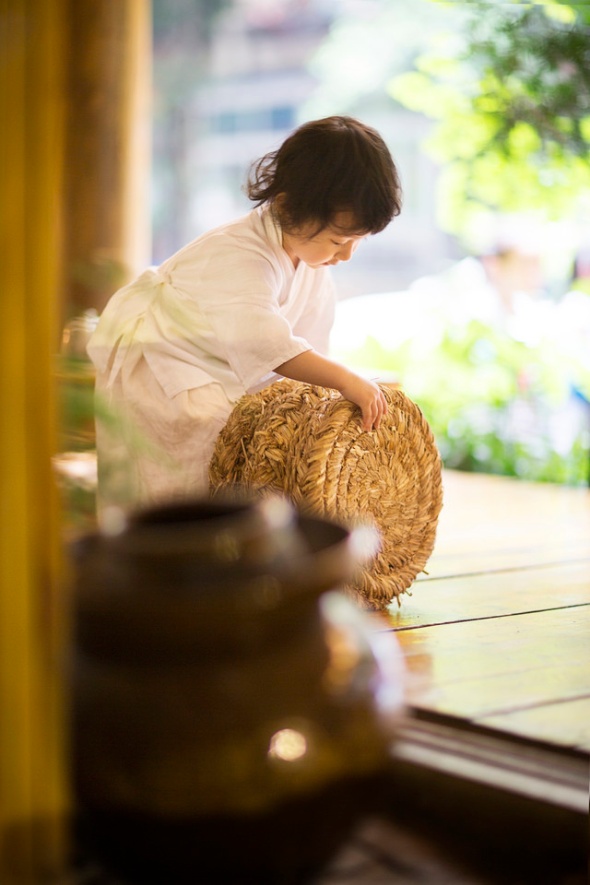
[312,368]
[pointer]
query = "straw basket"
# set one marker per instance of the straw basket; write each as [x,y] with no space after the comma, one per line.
[307,443]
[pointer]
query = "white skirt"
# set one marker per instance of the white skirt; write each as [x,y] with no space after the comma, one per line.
[152,448]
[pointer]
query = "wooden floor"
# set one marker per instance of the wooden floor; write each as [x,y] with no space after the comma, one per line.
[498,634]
[498,631]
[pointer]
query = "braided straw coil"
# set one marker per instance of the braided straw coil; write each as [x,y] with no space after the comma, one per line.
[307,443]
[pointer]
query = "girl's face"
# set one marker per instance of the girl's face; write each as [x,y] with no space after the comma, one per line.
[329,246]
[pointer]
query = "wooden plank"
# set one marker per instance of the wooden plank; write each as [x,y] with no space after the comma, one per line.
[491,595]
[504,558]
[499,665]
[479,699]
[482,498]
[493,519]
[467,650]
[549,722]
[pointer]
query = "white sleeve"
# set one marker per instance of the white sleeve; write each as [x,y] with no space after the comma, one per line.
[256,340]
[316,321]
[246,320]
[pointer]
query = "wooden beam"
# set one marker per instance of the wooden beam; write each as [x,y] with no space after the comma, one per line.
[108,143]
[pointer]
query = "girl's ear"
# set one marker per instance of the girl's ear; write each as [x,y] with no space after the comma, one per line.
[278,208]
[279,202]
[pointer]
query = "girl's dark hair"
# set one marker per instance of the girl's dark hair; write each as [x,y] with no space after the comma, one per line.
[327,166]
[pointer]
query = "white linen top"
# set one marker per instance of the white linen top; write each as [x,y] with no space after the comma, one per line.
[229,308]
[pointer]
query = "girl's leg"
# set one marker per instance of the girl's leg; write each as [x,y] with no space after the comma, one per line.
[157,448]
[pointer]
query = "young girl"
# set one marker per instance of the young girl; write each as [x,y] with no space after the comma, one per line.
[236,309]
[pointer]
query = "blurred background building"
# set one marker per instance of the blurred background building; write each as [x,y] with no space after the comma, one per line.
[256,85]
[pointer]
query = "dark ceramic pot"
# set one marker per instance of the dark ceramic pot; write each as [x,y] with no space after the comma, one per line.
[232,711]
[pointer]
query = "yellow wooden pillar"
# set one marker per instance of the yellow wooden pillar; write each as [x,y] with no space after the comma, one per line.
[35,150]
[33,783]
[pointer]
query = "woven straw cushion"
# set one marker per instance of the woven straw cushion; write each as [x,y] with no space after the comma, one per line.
[307,443]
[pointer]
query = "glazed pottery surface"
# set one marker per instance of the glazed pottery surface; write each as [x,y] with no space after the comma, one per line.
[221,684]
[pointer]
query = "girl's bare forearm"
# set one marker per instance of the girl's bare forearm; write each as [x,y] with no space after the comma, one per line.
[313,368]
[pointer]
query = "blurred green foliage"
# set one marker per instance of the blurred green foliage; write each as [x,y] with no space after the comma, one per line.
[493,403]
[510,90]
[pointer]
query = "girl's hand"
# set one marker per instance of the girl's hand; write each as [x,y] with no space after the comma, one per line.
[369,397]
